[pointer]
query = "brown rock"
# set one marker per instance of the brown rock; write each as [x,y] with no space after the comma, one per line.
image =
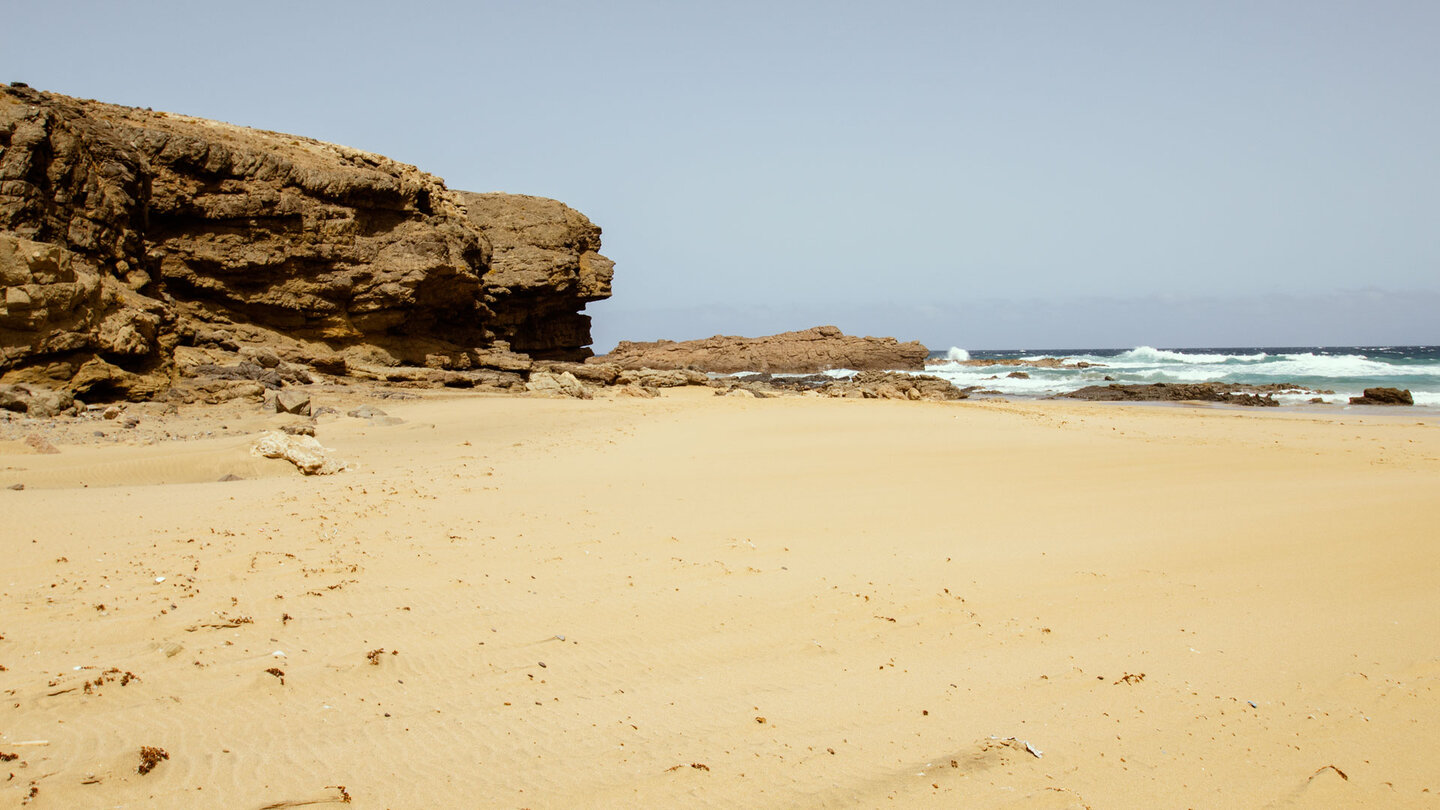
[551,384]
[292,402]
[637,390]
[1233,394]
[671,378]
[1384,396]
[546,266]
[125,232]
[889,385]
[804,352]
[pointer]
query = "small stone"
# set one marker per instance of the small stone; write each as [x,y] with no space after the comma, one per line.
[112,412]
[16,487]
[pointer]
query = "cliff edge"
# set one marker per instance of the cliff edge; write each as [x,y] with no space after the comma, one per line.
[126,234]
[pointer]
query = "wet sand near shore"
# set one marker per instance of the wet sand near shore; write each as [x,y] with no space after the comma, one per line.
[716,602]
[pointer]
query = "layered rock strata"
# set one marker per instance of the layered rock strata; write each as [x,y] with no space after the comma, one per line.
[812,350]
[546,265]
[126,234]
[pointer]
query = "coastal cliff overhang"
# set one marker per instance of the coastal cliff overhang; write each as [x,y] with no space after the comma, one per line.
[126,232]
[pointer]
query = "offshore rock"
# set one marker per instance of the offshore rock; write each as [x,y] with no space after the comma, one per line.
[804,352]
[1232,394]
[1384,396]
[125,233]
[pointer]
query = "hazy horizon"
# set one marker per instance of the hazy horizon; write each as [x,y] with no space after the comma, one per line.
[1106,174]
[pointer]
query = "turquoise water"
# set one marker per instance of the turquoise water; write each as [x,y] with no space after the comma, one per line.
[1346,370]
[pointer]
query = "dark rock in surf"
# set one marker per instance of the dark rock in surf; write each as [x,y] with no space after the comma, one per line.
[1384,396]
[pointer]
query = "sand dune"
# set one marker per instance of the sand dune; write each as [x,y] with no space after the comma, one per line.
[710,602]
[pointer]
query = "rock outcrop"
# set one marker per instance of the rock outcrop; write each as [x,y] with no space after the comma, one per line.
[1384,396]
[126,233]
[1040,362]
[1232,394]
[812,350]
[545,267]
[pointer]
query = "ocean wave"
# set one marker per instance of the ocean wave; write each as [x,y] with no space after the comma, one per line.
[1152,355]
[957,355]
[1341,366]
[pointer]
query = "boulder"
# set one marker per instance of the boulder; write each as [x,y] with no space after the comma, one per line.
[637,390]
[652,378]
[804,352]
[291,401]
[550,384]
[307,454]
[1384,396]
[35,401]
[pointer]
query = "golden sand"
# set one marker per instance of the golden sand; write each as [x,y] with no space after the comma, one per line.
[702,601]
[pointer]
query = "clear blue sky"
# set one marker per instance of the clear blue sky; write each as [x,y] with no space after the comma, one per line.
[1000,174]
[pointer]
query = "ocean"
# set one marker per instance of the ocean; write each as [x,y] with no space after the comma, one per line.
[1346,370]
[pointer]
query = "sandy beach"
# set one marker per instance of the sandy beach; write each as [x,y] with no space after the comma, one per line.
[700,601]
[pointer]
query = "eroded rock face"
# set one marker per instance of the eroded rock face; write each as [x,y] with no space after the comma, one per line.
[546,266]
[805,352]
[126,232]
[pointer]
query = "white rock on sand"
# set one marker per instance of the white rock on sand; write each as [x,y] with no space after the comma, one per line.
[305,452]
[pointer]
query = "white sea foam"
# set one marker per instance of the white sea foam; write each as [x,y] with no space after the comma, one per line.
[1150,355]
[957,355]
[1337,365]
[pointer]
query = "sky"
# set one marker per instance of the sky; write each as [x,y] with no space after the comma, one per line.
[982,175]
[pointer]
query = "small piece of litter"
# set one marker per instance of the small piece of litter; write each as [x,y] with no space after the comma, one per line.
[1036,752]
[158,580]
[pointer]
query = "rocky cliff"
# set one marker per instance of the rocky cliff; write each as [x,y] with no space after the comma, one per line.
[546,264]
[127,233]
[803,352]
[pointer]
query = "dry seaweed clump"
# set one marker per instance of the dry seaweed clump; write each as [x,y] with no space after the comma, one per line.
[150,756]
